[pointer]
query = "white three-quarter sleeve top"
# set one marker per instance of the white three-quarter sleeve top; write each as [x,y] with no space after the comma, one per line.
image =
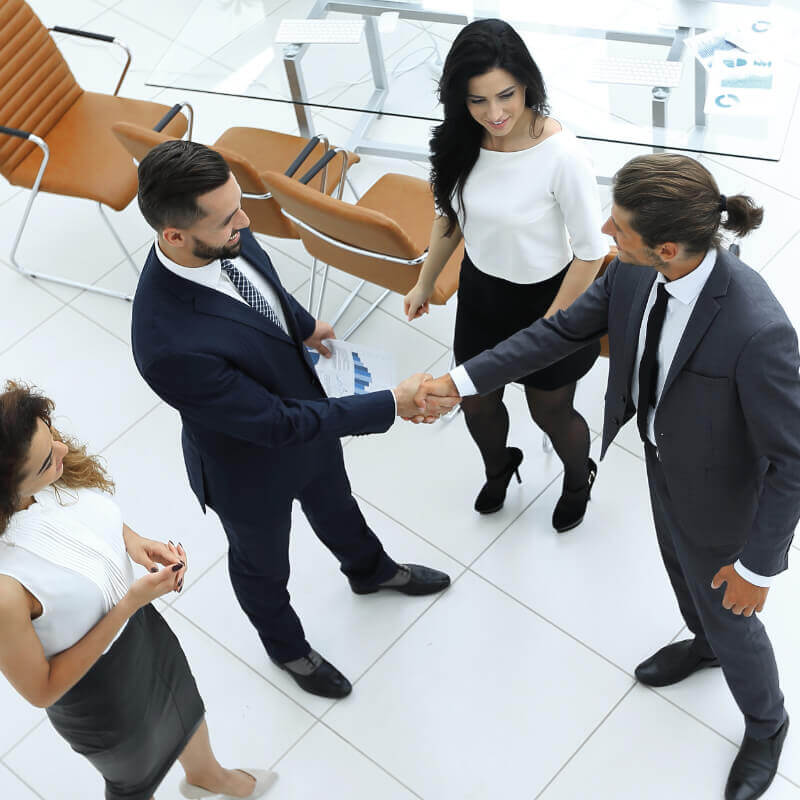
[528,211]
[71,556]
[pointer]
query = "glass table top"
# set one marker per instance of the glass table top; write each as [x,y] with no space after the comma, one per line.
[228,47]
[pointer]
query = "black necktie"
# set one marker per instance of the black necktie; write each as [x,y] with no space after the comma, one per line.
[648,366]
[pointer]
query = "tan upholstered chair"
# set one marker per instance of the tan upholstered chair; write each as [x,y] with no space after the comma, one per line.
[54,136]
[382,239]
[249,152]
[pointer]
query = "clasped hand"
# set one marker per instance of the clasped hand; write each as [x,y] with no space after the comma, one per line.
[420,398]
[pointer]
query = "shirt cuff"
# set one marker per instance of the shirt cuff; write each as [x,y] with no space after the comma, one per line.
[394,400]
[764,581]
[463,382]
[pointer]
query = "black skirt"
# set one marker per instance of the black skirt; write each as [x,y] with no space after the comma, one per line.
[134,712]
[491,309]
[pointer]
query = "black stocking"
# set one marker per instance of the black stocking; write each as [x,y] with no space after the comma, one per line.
[553,411]
[487,421]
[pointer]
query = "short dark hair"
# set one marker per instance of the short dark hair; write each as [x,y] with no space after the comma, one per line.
[171,178]
[674,198]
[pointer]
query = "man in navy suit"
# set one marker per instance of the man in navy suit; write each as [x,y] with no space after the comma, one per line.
[217,337]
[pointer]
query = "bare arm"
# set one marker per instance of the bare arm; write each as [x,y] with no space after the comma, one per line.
[440,248]
[577,280]
[22,658]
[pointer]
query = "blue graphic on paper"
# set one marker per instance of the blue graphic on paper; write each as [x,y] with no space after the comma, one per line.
[314,355]
[726,100]
[363,377]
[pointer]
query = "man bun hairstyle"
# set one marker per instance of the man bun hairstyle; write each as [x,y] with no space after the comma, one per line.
[171,178]
[674,198]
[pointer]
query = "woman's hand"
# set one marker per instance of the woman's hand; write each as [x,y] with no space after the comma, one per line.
[415,303]
[149,554]
[153,585]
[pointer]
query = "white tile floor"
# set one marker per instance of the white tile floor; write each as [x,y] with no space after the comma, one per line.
[516,683]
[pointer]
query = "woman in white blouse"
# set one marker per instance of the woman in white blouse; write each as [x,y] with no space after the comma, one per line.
[78,634]
[520,190]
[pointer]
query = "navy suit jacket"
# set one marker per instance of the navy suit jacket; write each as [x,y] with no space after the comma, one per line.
[728,420]
[256,419]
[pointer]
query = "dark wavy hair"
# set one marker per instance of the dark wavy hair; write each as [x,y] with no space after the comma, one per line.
[480,46]
[20,407]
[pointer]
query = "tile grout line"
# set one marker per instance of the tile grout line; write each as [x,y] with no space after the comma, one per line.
[246,664]
[370,759]
[581,745]
[21,779]
[21,740]
[129,428]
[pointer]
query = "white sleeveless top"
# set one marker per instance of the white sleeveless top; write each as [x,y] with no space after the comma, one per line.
[72,558]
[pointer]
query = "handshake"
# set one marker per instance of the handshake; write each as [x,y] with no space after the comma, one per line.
[421,398]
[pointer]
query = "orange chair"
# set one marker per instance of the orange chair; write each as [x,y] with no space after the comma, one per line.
[250,152]
[382,238]
[54,136]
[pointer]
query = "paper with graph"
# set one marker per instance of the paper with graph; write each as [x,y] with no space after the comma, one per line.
[353,369]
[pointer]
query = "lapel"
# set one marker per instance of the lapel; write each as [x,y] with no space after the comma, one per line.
[210,301]
[635,322]
[705,309]
[254,254]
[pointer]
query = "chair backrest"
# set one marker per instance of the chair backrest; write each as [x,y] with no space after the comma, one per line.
[265,216]
[137,139]
[356,226]
[36,86]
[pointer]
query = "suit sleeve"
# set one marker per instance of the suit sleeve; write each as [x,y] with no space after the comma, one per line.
[768,383]
[305,321]
[547,340]
[209,392]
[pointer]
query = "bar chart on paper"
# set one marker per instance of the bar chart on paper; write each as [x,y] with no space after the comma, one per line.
[352,369]
[362,377]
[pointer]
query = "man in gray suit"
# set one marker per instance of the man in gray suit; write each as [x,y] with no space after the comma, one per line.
[706,360]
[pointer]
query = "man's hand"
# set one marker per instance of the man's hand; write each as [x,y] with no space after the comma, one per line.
[432,393]
[322,330]
[741,596]
[425,410]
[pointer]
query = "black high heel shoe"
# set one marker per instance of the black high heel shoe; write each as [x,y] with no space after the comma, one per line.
[571,506]
[493,494]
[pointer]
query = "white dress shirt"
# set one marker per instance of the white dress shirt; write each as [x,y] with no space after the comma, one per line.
[682,296]
[212,276]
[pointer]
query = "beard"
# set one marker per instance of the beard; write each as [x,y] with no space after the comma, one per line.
[203,250]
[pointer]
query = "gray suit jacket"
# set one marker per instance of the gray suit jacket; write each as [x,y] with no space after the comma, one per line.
[728,421]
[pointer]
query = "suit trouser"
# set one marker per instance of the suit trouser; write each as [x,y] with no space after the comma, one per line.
[258,556]
[740,643]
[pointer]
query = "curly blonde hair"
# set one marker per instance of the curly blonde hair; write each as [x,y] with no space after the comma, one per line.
[21,406]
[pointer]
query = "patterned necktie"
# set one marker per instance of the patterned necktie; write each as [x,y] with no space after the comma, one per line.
[648,366]
[251,295]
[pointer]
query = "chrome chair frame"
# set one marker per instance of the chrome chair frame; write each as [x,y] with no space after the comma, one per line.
[39,142]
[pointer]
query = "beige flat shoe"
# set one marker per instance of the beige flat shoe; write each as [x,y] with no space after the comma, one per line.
[264,778]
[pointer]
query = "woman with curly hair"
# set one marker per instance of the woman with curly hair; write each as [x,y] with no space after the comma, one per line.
[78,634]
[520,190]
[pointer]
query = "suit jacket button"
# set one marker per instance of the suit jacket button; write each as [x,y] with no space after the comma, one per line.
[623,398]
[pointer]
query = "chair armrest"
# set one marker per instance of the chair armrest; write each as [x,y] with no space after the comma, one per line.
[171,114]
[302,156]
[15,132]
[75,32]
[100,37]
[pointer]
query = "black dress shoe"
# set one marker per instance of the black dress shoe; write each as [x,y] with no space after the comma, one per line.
[325,680]
[671,664]
[493,494]
[571,506]
[422,580]
[755,766]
